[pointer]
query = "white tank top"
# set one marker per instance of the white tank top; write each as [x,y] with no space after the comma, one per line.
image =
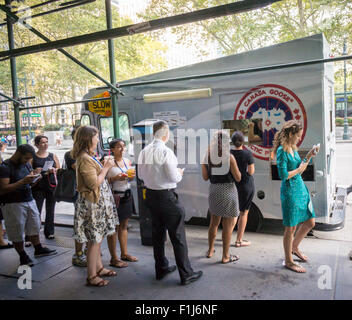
[119,185]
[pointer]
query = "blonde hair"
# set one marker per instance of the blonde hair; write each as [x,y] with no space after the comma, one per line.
[283,136]
[83,140]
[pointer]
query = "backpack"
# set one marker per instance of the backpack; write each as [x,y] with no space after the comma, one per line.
[66,185]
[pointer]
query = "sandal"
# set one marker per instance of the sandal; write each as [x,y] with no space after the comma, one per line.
[109,273]
[243,243]
[295,267]
[233,258]
[118,264]
[50,237]
[27,244]
[210,255]
[101,283]
[129,258]
[300,256]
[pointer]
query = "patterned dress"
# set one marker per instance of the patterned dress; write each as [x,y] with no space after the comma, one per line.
[94,221]
[296,203]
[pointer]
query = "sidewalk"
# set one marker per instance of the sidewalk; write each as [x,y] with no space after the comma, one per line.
[258,274]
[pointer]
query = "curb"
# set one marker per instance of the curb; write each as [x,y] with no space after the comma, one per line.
[343,141]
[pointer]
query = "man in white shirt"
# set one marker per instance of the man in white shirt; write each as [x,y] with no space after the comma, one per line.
[157,167]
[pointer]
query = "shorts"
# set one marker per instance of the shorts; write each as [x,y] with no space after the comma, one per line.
[21,218]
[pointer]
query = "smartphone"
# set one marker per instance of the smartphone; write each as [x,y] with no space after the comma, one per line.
[36,177]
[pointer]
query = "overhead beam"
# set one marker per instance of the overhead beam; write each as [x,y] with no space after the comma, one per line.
[15,18]
[195,16]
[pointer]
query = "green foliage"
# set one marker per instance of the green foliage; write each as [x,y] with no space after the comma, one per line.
[340,121]
[58,79]
[282,21]
[52,127]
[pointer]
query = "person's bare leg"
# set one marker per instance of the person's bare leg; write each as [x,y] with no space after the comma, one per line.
[241,227]
[287,242]
[93,254]
[122,233]
[2,240]
[78,247]
[227,228]
[213,229]
[114,260]
[302,231]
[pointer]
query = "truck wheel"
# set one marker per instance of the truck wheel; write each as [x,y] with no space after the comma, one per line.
[255,219]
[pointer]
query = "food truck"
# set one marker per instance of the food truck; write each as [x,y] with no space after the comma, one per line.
[205,96]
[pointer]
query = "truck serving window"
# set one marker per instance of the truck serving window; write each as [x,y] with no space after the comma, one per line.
[107,129]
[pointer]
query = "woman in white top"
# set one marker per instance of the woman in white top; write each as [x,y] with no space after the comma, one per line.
[119,181]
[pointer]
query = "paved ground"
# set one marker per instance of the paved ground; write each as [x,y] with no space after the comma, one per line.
[258,274]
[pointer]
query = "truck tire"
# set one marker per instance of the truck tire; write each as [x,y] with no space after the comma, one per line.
[255,219]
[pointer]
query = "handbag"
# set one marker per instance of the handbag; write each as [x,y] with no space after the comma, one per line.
[66,186]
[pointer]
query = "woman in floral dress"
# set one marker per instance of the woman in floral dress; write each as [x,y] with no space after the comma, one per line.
[95,211]
[296,203]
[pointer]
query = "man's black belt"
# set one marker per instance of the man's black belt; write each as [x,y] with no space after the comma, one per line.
[161,190]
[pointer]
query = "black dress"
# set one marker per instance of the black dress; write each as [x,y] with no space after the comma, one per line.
[245,187]
[42,192]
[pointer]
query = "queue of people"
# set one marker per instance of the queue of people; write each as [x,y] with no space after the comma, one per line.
[104,202]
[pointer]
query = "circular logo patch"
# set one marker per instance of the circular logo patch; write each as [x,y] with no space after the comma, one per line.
[275,105]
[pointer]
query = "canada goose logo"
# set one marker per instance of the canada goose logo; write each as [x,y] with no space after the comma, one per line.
[275,105]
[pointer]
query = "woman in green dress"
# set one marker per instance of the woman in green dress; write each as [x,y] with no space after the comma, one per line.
[296,203]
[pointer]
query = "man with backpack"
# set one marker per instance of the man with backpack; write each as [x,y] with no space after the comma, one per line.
[17,204]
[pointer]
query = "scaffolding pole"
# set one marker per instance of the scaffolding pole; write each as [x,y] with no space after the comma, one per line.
[15,18]
[114,105]
[157,24]
[16,105]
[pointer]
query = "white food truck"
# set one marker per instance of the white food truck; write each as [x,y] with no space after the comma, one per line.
[218,100]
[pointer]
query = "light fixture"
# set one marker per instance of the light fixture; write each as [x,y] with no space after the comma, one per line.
[177,95]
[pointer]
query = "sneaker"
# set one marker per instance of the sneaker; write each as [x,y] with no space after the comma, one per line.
[79,259]
[42,252]
[26,261]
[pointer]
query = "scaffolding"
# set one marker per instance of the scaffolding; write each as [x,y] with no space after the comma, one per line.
[109,34]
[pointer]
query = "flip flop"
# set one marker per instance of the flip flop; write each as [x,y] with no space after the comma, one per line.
[129,258]
[7,246]
[299,256]
[243,243]
[208,254]
[233,258]
[118,264]
[293,267]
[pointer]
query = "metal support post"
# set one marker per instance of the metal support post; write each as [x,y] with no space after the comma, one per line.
[346,135]
[114,105]
[16,105]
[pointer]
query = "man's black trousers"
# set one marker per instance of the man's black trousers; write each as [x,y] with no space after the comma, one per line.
[168,214]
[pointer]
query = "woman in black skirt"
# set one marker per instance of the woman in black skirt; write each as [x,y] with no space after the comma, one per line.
[245,187]
[119,180]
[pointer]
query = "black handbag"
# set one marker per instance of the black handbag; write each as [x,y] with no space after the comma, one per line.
[66,189]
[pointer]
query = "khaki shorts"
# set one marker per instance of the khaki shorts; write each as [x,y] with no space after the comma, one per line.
[21,218]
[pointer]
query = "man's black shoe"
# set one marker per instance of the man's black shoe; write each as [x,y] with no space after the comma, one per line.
[162,274]
[194,277]
[42,252]
[26,261]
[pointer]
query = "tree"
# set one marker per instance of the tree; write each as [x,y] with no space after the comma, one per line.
[58,79]
[280,22]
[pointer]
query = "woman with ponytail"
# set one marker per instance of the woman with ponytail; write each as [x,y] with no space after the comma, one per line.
[221,169]
[296,203]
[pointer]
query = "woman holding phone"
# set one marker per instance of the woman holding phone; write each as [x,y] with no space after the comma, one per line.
[119,177]
[296,203]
